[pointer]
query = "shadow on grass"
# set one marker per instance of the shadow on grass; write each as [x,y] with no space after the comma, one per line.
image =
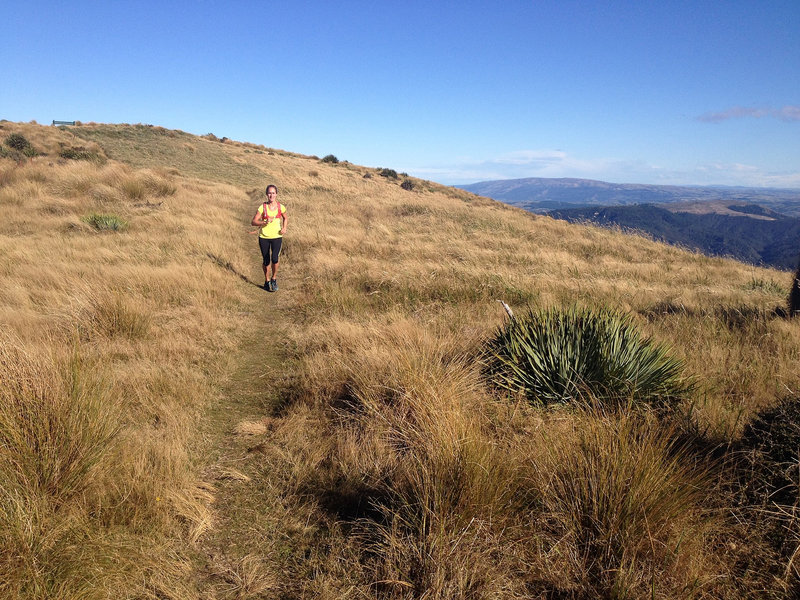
[221,262]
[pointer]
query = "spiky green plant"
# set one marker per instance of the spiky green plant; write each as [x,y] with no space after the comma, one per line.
[105,222]
[559,355]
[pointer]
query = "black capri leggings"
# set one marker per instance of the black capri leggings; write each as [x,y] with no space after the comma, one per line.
[270,246]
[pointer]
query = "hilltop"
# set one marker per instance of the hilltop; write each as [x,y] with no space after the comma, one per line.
[170,430]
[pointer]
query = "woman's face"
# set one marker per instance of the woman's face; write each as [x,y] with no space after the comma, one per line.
[272,194]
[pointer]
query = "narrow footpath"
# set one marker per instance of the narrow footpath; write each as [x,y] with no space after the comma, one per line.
[233,555]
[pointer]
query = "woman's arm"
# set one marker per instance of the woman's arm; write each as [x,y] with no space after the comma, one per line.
[258,219]
[283,226]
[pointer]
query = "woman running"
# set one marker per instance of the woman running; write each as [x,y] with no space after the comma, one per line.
[271,217]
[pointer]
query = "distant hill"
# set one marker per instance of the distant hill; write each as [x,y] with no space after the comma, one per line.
[747,232]
[540,195]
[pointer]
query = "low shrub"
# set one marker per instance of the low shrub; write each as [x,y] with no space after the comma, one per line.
[81,153]
[407,185]
[17,141]
[330,158]
[794,295]
[388,173]
[558,356]
[19,144]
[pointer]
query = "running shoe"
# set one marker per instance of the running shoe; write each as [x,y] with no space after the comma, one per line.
[267,286]
[274,285]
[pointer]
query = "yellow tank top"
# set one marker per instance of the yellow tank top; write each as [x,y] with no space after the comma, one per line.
[272,229]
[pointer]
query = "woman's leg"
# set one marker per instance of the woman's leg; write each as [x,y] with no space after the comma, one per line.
[276,255]
[264,247]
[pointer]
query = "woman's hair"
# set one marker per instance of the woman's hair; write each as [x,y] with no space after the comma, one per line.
[271,186]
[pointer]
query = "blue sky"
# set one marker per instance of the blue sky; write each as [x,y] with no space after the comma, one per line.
[668,92]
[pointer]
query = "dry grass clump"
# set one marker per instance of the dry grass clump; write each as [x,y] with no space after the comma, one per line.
[412,467]
[57,433]
[622,503]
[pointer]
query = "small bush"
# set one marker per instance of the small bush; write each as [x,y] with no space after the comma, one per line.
[388,173]
[81,153]
[105,222]
[330,158]
[555,356]
[794,295]
[407,185]
[19,145]
[768,475]
[17,141]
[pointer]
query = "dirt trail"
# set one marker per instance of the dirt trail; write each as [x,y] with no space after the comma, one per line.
[229,561]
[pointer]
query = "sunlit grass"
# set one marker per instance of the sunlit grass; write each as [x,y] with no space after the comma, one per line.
[390,469]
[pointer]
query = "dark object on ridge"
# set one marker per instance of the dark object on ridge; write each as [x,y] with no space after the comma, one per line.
[794,295]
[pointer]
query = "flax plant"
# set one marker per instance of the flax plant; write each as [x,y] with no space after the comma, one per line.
[563,355]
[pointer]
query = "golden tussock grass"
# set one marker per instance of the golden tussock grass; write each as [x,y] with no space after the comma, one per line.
[110,339]
[392,469]
[399,290]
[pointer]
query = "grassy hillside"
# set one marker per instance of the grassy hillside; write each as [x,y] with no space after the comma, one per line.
[753,239]
[169,430]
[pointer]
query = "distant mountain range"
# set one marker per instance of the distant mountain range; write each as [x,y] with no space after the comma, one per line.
[545,194]
[753,225]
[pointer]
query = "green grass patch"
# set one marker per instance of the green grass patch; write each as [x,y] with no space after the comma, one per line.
[767,286]
[105,222]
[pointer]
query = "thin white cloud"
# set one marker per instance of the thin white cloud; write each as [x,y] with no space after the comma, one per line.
[786,113]
[541,158]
